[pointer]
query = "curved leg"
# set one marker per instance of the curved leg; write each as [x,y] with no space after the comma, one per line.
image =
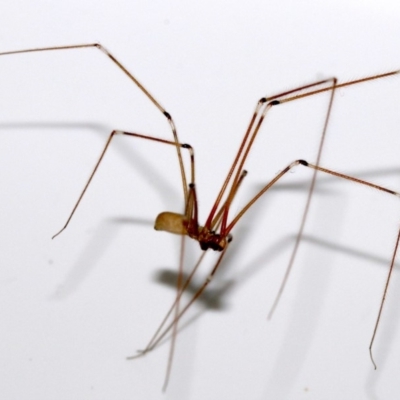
[132,78]
[338,175]
[136,135]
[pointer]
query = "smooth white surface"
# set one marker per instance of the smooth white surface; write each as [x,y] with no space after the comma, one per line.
[72,309]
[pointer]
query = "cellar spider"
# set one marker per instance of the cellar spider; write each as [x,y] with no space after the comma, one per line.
[215,233]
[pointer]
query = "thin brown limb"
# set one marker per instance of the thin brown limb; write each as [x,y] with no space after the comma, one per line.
[150,345]
[191,212]
[136,135]
[299,235]
[306,164]
[394,251]
[179,291]
[384,298]
[259,194]
[262,107]
[227,204]
[307,206]
[133,79]
[192,300]
[214,209]
[259,113]
[167,315]
[349,178]
[338,86]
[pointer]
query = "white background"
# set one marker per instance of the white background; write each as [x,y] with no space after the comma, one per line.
[73,308]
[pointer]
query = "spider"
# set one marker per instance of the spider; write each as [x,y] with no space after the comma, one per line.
[216,232]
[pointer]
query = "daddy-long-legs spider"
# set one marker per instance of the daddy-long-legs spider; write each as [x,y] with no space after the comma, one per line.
[215,232]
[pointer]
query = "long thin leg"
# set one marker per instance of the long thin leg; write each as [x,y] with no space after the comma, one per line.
[288,97]
[136,135]
[133,79]
[384,297]
[339,175]
[307,206]
[173,325]
[175,143]
[151,345]
[392,260]
[179,291]
[262,107]
[260,113]
[307,164]
[160,333]
[187,306]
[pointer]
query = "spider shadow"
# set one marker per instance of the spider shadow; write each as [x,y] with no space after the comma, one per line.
[100,242]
